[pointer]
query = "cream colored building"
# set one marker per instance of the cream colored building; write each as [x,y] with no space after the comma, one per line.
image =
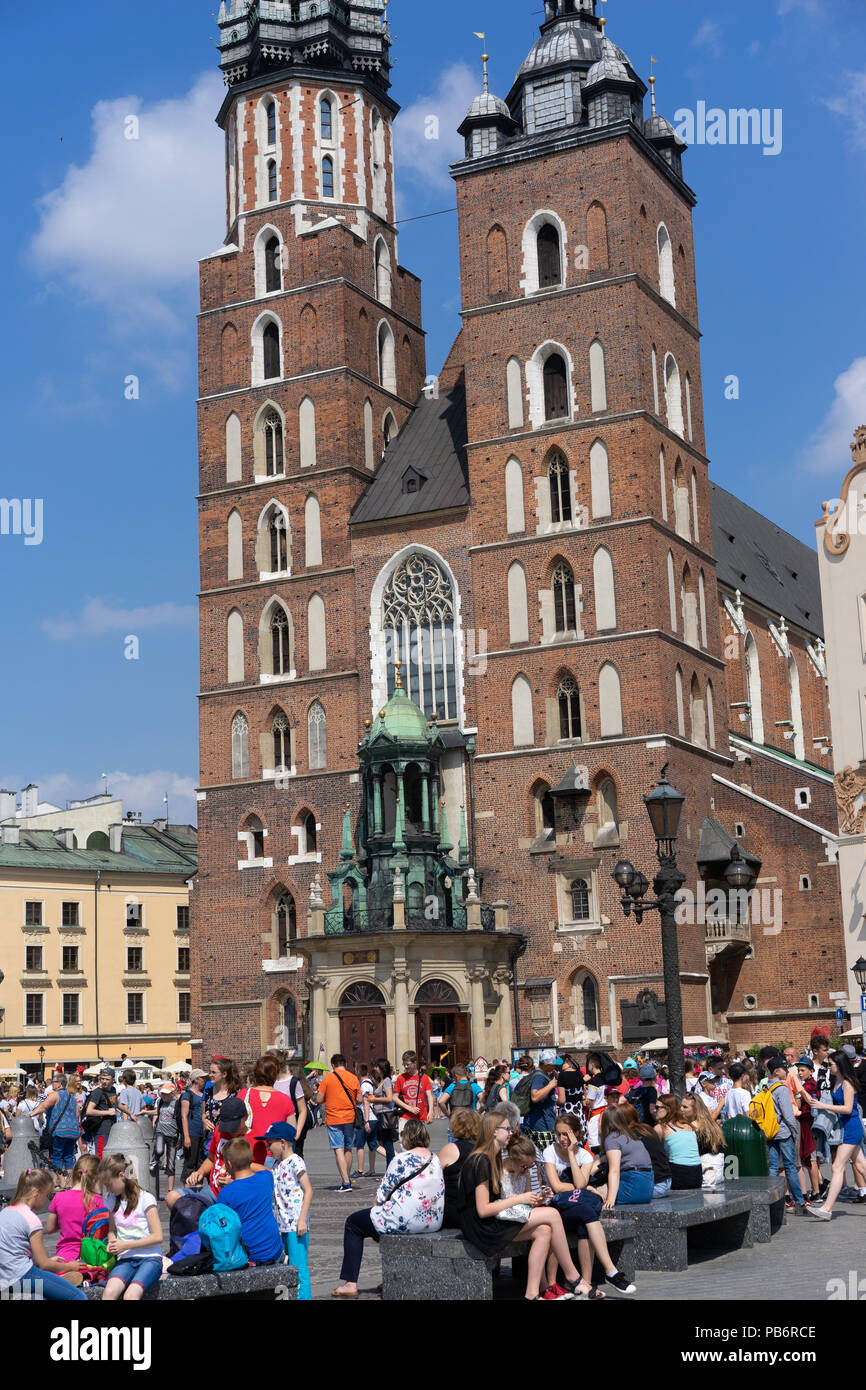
[94,943]
[842,566]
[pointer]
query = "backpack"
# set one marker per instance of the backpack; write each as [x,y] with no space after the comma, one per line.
[763,1111]
[183,1221]
[220,1231]
[463,1096]
[521,1096]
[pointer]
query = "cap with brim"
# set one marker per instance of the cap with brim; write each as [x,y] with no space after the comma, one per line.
[806,1062]
[167,1088]
[849,1050]
[232,1111]
[706,1076]
[629,1064]
[197,1074]
[647,1072]
[107,1071]
[280,1130]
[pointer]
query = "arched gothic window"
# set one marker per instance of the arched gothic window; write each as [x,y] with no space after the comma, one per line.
[271,428]
[327,177]
[317,736]
[287,932]
[282,743]
[326,129]
[273,187]
[568,698]
[279,547]
[280,642]
[418,623]
[271,349]
[271,115]
[240,747]
[584,998]
[549,257]
[565,616]
[579,894]
[560,488]
[290,1023]
[555,387]
[273,265]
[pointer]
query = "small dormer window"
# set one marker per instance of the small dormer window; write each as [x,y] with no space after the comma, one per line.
[412,481]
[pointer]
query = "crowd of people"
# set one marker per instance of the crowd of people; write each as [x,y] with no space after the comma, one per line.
[536,1152]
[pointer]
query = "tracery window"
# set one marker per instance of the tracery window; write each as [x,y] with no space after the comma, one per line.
[579,893]
[282,743]
[418,622]
[565,615]
[560,488]
[568,697]
[280,643]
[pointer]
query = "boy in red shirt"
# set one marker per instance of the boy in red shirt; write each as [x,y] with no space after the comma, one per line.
[412,1091]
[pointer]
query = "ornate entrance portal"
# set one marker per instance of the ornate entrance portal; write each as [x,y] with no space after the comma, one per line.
[362,1024]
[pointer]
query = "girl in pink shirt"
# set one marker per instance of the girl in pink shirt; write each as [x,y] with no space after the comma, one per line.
[68,1209]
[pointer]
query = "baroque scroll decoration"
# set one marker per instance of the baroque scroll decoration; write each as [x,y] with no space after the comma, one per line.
[850,785]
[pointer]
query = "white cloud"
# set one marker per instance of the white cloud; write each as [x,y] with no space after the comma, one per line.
[98,618]
[709,36]
[126,229]
[425,133]
[139,791]
[851,104]
[828,451]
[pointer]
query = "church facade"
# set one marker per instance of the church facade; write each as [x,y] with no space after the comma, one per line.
[452,626]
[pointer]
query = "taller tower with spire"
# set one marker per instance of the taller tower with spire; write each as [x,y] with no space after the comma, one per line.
[592,573]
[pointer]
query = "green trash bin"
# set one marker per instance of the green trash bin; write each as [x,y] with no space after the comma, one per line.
[746,1143]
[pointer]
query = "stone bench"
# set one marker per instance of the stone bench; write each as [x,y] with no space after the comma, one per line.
[443,1267]
[741,1214]
[265,1283]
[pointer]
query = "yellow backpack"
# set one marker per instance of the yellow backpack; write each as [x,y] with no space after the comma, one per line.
[763,1111]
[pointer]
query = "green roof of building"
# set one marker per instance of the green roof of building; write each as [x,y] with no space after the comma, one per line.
[146,850]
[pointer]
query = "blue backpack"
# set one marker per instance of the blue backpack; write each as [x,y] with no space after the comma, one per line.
[220,1231]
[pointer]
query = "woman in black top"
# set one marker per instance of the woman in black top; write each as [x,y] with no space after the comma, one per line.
[465,1127]
[480,1204]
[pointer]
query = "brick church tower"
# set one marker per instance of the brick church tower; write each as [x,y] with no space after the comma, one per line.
[592,571]
[311,355]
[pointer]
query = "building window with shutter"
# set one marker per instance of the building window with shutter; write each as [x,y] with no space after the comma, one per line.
[549,257]
[555,387]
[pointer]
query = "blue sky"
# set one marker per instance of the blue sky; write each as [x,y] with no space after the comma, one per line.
[101,237]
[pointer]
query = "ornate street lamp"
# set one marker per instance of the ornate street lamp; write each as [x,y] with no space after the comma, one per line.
[664,806]
[859,971]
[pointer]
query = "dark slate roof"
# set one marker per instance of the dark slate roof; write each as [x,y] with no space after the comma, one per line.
[766,563]
[717,843]
[433,443]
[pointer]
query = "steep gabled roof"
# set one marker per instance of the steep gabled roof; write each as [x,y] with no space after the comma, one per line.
[766,563]
[432,444]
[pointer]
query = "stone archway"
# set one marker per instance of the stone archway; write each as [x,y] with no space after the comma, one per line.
[362,1023]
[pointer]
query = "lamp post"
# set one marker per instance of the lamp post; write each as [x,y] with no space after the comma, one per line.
[41,1062]
[664,806]
[859,972]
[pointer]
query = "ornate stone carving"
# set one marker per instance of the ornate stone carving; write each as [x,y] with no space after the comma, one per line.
[316,899]
[477,973]
[836,542]
[849,785]
[502,976]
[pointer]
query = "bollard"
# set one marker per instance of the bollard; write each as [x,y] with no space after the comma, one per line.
[126,1138]
[18,1158]
[145,1125]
